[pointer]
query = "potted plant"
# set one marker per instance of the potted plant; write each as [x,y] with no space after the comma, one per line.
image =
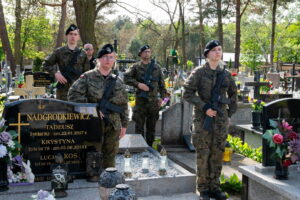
[286,145]
[257,106]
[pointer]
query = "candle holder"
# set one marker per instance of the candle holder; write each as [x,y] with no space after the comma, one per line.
[145,163]
[163,162]
[127,164]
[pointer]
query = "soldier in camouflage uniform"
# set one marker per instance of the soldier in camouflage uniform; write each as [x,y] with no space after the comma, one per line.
[210,144]
[61,58]
[90,87]
[146,109]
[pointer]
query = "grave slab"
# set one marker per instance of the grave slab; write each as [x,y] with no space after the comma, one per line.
[177,180]
[133,142]
[263,186]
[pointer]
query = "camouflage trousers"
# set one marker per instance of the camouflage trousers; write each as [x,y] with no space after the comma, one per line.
[62,93]
[209,153]
[109,147]
[146,112]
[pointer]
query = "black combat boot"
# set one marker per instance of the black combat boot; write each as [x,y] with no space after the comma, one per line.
[204,195]
[218,194]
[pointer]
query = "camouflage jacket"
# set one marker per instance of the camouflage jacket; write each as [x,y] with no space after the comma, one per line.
[135,74]
[89,88]
[198,87]
[61,57]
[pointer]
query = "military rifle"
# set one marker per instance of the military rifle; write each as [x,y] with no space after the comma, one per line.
[216,98]
[147,79]
[104,105]
[69,72]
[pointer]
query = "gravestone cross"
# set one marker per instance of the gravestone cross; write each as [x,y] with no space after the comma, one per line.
[29,91]
[19,124]
[256,84]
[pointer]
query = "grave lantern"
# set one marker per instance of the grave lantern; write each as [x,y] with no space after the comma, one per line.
[127,164]
[163,162]
[145,163]
[245,93]
[227,153]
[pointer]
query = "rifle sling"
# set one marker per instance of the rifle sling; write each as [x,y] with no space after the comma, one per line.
[108,93]
[148,72]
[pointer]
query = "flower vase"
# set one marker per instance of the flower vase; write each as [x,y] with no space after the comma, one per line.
[281,171]
[256,122]
[3,175]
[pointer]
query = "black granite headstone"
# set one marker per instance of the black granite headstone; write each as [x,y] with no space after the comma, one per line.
[50,126]
[287,109]
[40,79]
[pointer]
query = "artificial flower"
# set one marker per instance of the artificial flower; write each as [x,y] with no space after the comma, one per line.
[5,137]
[286,163]
[292,135]
[11,144]
[284,141]
[3,151]
[43,195]
[286,126]
[277,138]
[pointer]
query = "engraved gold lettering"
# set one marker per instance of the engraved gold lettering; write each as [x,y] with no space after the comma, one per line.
[58,116]
[71,156]
[58,141]
[47,157]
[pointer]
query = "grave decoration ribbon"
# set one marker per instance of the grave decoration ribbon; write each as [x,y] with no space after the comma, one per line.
[284,140]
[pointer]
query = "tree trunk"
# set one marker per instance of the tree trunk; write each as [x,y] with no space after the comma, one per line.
[220,24]
[273,31]
[60,35]
[201,27]
[237,34]
[17,42]
[85,12]
[181,14]
[5,41]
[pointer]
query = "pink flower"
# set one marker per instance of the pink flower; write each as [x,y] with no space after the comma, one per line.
[277,138]
[286,126]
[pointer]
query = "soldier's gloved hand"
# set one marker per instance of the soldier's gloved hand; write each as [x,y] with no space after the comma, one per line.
[211,113]
[143,87]
[60,78]
[122,132]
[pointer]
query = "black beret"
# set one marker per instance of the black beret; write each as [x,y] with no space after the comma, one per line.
[210,45]
[143,48]
[72,27]
[106,49]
